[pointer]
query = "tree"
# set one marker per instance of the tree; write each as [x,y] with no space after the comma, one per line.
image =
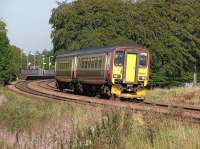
[9,57]
[5,53]
[15,62]
[170,29]
[88,23]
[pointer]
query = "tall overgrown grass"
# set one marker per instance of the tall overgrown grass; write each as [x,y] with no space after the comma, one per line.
[123,130]
[176,95]
[26,123]
[21,113]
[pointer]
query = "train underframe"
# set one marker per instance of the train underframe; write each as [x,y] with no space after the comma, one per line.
[107,90]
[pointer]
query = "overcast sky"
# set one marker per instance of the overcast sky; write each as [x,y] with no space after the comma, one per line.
[28,22]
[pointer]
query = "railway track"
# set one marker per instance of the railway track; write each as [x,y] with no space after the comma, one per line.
[46,89]
[23,86]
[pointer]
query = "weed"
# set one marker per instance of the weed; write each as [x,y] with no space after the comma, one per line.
[40,124]
[176,95]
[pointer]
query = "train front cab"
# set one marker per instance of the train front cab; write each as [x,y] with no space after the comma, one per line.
[130,73]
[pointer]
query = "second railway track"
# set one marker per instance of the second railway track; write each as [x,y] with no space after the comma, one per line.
[46,89]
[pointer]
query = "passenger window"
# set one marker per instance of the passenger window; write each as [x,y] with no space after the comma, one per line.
[86,64]
[81,63]
[119,58]
[92,63]
[89,63]
[95,62]
[143,60]
[100,62]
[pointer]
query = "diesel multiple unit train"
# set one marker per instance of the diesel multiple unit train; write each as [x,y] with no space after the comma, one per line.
[117,71]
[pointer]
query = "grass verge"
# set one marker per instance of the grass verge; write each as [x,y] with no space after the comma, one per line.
[27,123]
[176,95]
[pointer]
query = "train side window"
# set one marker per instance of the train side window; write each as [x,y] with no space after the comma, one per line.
[92,63]
[85,64]
[119,58]
[81,62]
[60,66]
[57,68]
[88,63]
[100,62]
[67,66]
[143,60]
[78,63]
[96,63]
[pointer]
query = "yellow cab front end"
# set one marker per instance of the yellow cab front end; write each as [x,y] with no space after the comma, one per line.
[130,73]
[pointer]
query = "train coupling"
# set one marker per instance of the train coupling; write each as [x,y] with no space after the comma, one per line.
[118,91]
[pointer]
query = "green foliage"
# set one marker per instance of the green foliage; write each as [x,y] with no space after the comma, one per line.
[15,62]
[38,57]
[4,54]
[109,133]
[170,29]
[126,130]
[88,24]
[19,113]
[9,57]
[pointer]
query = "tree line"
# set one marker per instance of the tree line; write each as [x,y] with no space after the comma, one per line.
[9,57]
[170,29]
[12,58]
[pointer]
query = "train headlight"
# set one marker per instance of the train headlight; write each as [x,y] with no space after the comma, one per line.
[142,78]
[116,76]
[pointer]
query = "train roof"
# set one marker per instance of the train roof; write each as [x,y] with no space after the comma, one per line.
[99,50]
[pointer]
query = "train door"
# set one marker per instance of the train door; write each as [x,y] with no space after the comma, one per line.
[131,64]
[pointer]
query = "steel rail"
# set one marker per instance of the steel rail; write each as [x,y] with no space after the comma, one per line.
[186,107]
[23,86]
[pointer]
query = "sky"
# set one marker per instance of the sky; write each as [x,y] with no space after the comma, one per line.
[28,23]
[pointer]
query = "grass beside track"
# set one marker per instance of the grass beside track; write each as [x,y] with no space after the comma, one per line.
[180,95]
[27,123]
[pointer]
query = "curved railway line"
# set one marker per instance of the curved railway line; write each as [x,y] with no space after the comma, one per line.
[46,89]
